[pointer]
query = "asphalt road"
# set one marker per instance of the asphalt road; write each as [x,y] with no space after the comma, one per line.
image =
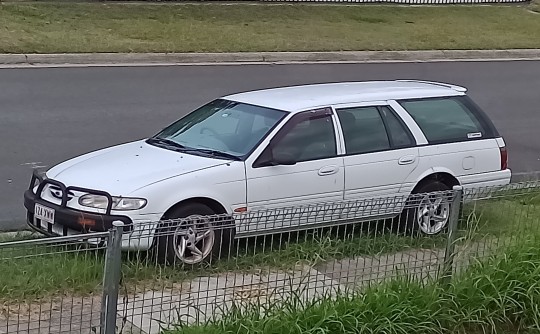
[51,114]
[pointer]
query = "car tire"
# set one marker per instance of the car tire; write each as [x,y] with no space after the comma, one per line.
[200,239]
[427,210]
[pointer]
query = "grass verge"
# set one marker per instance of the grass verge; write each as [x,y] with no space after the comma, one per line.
[505,218]
[499,295]
[108,27]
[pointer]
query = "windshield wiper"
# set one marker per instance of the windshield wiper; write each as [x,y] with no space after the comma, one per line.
[181,148]
[213,153]
[166,142]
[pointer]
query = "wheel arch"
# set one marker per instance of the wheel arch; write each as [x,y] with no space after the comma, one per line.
[440,176]
[213,204]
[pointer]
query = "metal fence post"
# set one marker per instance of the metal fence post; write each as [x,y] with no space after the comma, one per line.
[457,197]
[111,279]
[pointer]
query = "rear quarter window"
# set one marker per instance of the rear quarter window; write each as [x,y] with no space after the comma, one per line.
[449,119]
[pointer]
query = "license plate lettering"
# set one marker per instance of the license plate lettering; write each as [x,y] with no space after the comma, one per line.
[44,214]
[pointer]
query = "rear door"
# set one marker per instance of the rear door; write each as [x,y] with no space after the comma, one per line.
[380,154]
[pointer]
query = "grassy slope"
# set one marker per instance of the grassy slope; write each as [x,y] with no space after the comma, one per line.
[99,27]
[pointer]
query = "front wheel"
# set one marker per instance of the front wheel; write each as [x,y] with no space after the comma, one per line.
[428,209]
[192,235]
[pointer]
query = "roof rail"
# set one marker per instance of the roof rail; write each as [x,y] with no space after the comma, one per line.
[454,87]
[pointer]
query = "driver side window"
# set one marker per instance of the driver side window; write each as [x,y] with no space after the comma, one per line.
[307,136]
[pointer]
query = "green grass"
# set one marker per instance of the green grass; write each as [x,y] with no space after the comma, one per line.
[106,27]
[32,273]
[41,271]
[498,295]
[508,217]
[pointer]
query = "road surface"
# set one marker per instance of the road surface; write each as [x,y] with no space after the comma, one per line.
[51,114]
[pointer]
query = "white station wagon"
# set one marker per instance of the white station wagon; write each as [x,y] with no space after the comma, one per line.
[274,148]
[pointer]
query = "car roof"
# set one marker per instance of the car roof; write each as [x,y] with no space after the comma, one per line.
[305,97]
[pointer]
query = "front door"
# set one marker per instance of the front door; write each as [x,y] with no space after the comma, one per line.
[298,172]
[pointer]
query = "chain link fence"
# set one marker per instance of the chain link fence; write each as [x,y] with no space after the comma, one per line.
[202,267]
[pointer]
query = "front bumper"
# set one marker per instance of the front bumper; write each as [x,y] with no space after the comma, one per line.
[68,221]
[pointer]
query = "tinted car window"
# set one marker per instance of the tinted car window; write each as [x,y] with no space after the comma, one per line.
[363,129]
[308,138]
[446,119]
[399,134]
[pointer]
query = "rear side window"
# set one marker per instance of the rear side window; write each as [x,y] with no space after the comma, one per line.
[449,119]
[372,129]
[363,129]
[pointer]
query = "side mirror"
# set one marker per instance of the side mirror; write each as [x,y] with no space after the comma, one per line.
[271,157]
[283,158]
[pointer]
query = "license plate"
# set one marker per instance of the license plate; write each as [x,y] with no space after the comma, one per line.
[45,214]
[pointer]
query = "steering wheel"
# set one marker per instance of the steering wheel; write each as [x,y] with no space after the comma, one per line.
[215,137]
[212,131]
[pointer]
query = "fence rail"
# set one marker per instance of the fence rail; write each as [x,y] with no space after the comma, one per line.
[86,284]
[408,2]
[404,2]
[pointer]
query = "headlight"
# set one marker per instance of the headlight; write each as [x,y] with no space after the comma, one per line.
[118,203]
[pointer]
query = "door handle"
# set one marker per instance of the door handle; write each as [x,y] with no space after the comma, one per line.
[328,170]
[406,160]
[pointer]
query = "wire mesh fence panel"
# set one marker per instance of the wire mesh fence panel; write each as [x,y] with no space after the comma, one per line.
[495,218]
[51,285]
[201,268]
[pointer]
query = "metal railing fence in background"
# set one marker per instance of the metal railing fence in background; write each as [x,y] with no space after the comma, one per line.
[264,258]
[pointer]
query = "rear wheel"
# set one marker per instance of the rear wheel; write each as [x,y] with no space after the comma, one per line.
[428,209]
[195,240]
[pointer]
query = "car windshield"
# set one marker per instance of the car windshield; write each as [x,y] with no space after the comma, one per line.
[220,128]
